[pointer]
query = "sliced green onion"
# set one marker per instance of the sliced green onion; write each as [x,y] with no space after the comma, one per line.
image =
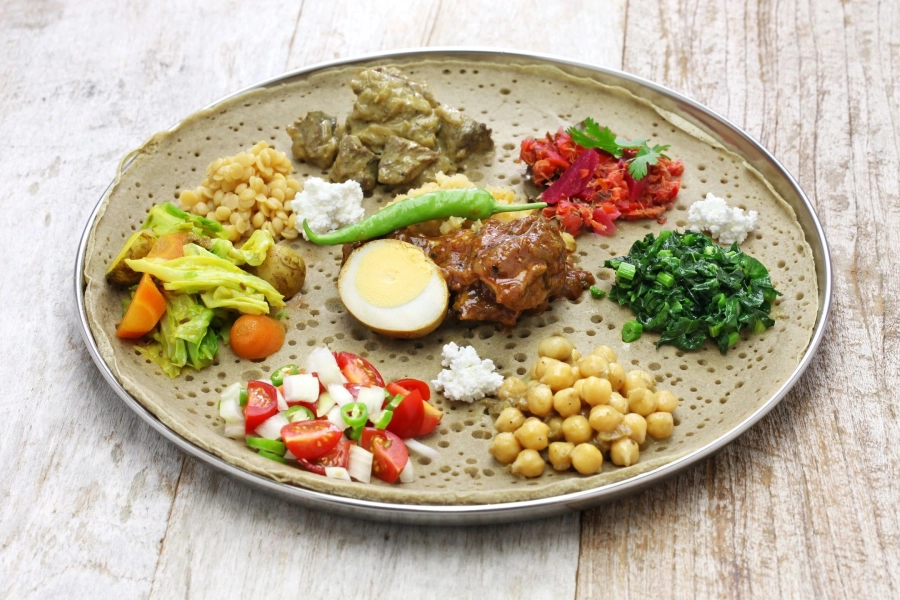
[631,331]
[270,456]
[281,372]
[394,403]
[597,292]
[299,413]
[382,421]
[665,279]
[355,414]
[758,326]
[243,396]
[625,271]
[273,446]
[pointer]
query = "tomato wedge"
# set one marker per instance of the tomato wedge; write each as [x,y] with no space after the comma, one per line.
[311,439]
[430,419]
[358,370]
[338,457]
[390,453]
[414,384]
[408,415]
[262,403]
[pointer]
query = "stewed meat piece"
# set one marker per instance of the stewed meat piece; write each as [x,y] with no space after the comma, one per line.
[315,138]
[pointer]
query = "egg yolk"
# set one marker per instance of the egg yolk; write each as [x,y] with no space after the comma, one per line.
[391,275]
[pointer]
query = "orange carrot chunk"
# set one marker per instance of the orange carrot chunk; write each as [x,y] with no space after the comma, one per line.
[145,310]
[256,336]
[169,245]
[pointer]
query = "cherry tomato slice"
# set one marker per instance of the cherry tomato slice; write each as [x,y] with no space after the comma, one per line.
[311,439]
[390,453]
[358,370]
[262,403]
[415,384]
[338,457]
[408,415]
[430,419]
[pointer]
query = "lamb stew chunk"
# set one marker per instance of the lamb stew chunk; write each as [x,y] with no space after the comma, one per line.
[504,269]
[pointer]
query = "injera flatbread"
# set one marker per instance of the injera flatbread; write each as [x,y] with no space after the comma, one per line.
[716,392]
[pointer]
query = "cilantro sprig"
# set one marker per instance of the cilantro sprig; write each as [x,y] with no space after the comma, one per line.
[591,135]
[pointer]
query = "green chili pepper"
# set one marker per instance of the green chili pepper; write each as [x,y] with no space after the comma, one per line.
[468,203]
[281,372]
[355,414]
[243,396]
[394,403]
[354,433]
[305,414]
[383,419]
[271,456]
[273,446]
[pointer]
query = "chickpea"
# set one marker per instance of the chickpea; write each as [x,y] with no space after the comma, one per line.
[593,366]
[540,367]
[579,387]
[577,429]
[558,376]
[587,459]
[533,434]
[512,387]
[575,357]
[618,402]
[666,401]
[660,425]
[637,379]
[596,391]
[604,419]
[567,402]
[638,426]
[616,376]
[641,401]
[560,455]
[624,452]
[556,347]
[540,400]
[509,420]
[555,424]
[605,352]
[528,464]
[505,447]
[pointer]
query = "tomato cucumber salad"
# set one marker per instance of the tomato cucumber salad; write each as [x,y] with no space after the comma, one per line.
[336,417]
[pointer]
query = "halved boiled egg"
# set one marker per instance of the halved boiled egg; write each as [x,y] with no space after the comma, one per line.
[392,288]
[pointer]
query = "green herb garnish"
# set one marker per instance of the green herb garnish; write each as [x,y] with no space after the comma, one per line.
[687,288]
[596,292]
[591,135]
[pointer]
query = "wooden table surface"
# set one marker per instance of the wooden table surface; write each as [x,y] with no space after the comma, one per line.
[94,503]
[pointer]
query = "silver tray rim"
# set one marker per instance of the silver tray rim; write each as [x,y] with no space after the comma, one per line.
[729,135]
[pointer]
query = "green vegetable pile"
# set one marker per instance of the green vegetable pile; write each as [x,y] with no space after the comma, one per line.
[688,288]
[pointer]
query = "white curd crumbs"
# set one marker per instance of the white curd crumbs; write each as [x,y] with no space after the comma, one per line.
[467,377]
[328,206]
[724,223]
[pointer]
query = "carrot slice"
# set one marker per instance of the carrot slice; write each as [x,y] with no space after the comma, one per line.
[169,245]
[145,310]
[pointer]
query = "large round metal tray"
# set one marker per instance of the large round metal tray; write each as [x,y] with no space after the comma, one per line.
[728,135]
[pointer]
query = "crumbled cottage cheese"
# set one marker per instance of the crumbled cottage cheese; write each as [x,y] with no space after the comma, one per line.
[725,224]
[328,206]
[468,378]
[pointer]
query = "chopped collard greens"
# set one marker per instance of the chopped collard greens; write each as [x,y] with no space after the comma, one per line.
[688,288]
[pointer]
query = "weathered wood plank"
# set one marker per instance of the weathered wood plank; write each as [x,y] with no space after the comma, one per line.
[804,505]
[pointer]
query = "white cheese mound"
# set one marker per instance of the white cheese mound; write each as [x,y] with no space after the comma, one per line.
[725,224]
[328,206]
[467,378]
